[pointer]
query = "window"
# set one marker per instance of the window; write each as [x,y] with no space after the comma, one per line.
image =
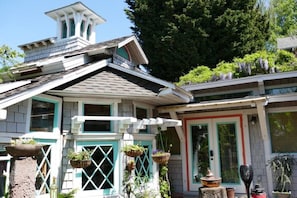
[43,115]
[82,28]
[101,174]
[97,110]
[222,96]
[278,91]
[283,131]
[123,53]
[142,113]
[64,29]
[72,27]
[44,169]
[88,32]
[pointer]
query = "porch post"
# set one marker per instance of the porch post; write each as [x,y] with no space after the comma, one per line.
[182,139]
[22,177]
[265,138]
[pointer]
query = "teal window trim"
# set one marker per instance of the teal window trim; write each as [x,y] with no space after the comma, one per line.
[150,151]
[56,110]
[110,114]
[115,146]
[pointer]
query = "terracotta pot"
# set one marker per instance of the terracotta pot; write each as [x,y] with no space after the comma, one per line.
[23,150]
[230,192]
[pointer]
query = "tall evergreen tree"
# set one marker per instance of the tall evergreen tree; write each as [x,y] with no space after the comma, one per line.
[178,35]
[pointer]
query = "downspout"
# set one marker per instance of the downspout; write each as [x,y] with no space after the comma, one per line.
[182,139]
[265,137]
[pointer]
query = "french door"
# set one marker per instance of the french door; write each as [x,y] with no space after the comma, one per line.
[215,144]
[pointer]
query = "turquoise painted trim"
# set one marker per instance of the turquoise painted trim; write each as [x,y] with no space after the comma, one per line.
[78,174]
[149,144]
[56,108]
[115,146]
[237,149]
[45,141]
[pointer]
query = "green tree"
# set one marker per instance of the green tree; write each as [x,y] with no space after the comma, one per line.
[283,16]
[178,35]
[8,58]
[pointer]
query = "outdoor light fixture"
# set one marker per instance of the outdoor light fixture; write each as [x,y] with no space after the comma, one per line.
[253,120]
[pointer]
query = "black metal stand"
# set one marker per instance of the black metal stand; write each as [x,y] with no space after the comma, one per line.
[246,174]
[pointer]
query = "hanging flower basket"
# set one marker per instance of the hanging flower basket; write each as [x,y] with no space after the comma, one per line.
[161,158]
[80,163]
[133,150]
[133,153]
[23,150]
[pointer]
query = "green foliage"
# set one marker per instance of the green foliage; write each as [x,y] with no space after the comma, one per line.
[132,147]
[23,141]
[178,35]
[260,62]
[283,15]
[197,75]
[163,182]
[282,168]
[285,61]
[70,194]
[81,155]
[8,58]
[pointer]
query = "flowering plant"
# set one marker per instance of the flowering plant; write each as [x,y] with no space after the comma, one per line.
[158,152]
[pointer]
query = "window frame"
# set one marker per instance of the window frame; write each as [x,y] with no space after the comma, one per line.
[149,114]
[57,112]
[113,108]
[277,110]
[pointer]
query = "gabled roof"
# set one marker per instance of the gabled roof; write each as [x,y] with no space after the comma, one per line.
[98,79]
[89,72]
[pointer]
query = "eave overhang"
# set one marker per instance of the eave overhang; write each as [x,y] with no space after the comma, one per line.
[8,101]
[251,102]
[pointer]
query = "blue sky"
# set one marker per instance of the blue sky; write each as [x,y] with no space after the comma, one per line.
[24,21]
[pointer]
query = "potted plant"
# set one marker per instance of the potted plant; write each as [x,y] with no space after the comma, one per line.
[23,147]
[282,168]
[161,157]
[81,159]
[133,150]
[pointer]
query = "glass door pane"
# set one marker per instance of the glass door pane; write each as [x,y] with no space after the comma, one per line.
[228,152]
[200,151]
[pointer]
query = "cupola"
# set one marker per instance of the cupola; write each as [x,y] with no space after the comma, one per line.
[75,29]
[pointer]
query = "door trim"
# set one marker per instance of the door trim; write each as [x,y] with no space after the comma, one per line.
[186,129]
